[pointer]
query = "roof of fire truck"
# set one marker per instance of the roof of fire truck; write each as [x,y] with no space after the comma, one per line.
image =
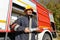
[25,4]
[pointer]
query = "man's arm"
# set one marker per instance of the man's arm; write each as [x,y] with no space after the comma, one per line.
[18,26]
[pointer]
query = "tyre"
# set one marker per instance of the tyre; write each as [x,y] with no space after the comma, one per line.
[54,34]
[46,37]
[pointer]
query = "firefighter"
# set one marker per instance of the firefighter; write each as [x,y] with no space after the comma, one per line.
[23,29]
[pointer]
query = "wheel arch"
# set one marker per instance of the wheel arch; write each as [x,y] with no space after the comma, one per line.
[40,35]
[49,34]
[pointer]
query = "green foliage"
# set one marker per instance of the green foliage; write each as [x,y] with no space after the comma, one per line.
[56,12]
[55,7]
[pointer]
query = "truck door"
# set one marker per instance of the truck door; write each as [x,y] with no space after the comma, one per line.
[5,12]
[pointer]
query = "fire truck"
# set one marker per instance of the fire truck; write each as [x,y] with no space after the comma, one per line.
[12,10]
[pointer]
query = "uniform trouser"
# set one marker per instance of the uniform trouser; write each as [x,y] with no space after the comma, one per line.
[24,36]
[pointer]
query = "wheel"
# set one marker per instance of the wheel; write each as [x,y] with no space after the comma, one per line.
[54,34]
[46,37]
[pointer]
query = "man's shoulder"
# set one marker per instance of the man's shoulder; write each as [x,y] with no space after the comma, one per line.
[22,17]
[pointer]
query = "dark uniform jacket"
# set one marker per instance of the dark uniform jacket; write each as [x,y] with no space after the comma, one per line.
[24,22]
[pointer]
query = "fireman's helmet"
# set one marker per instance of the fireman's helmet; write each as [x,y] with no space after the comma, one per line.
[28,7]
